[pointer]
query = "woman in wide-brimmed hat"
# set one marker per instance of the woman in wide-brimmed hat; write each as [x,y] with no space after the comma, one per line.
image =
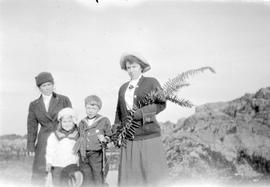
[43,111]
[142,161]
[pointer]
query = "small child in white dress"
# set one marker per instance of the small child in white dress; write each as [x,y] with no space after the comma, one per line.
[59,151]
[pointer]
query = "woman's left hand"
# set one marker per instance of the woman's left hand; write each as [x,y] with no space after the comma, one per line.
[137,115]
[110,145]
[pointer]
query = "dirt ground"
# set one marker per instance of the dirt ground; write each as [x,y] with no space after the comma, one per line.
[14,173]
[18,173]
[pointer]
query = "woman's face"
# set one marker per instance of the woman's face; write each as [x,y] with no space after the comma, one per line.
[67,123]
[46,88]
[91,110]
[134,69]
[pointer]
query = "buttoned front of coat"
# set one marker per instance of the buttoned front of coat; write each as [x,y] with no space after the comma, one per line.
[149,127]
[101,125]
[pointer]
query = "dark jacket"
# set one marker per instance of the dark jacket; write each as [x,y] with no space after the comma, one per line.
[149,127]
[88,131]
[37,142]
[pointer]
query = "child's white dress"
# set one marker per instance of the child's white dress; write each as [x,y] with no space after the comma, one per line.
[59,151]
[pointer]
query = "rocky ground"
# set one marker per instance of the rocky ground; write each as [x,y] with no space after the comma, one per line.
[224,142]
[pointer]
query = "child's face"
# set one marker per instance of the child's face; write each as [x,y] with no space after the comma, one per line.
[67,123]
[91,110]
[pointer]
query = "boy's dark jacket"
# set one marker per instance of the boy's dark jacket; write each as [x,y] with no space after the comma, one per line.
[88,137]
[149,127]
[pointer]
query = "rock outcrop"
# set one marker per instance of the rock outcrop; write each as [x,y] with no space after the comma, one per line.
[225,141]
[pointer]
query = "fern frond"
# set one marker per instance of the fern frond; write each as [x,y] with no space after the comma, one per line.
[183,76]
[128,126]
[180,102]
[178,87]
[173,85]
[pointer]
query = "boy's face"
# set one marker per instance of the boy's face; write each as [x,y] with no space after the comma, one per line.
[91,110]
[67,123]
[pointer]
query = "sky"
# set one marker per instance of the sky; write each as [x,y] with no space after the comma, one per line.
[81,42]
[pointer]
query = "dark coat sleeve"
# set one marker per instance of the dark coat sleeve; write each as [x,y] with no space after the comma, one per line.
[160,106]
[118,110]
[117,119]
[151,110]
[32,129]
[107,127]
[67,102]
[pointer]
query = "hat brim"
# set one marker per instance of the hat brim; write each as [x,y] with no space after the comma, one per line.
[132,58]
[77,180]
[72,175]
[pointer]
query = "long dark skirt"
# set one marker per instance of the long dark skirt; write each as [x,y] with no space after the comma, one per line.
[143,163]
[39,164]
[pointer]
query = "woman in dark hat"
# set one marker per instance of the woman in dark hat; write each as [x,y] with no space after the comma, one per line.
[43,111]
[142,161]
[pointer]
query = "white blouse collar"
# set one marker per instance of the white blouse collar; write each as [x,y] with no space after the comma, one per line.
[134,82]
[46,96]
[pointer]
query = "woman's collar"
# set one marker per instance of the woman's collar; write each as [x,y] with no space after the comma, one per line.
[52,95]
[136,80]
[47,96]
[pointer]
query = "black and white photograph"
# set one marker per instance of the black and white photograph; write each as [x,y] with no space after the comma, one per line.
[134,93]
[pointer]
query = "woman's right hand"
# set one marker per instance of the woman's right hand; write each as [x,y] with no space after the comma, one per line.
[31,153]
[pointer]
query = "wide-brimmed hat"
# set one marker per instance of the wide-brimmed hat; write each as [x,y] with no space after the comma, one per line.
[67,112]
[134,58]
[43,77]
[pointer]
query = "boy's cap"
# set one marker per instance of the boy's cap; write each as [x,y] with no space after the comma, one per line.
[43,77]
[93,100]
[67,112]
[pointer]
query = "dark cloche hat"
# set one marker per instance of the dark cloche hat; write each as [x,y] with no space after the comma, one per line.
[43,77]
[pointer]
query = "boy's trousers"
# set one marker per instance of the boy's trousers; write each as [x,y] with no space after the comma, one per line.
[92,168]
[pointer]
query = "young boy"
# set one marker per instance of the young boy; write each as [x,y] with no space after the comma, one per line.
[94,130]
[59,150]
